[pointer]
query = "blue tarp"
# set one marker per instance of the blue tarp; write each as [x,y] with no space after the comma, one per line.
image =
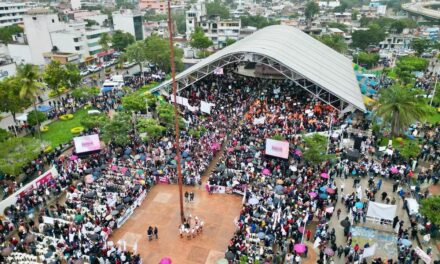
[44,108]
[105,89]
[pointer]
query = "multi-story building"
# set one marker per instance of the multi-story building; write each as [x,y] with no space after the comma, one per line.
[396,42]
[194,16]
[219,30]
[157,5]
[129,21]
[11,13]
[45,33]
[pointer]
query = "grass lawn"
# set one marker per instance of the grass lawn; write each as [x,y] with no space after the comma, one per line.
[59,131]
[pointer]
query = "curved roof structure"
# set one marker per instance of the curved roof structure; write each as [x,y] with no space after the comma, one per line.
[314,66]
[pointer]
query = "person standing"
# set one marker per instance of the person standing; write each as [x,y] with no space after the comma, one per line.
[150,233]
[156,232]
[186,197]
[191,196]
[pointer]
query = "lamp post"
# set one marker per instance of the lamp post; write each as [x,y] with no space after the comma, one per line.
[176,115]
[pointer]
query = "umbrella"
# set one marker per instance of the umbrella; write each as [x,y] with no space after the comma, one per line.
[73,157]
[115,212]
[405,242]
[261,235]
[230,255]
[313,194]
[324,175]
[266,171]
[298,152]
[253,201]
[394,170]
[127,199]
[330,190]
[140,172]
[165,260]
[328,251]
[301,229]
[299,248]
[89,178]
[114,168]
[185,154]
[345,223]
[323,196]
[359,205]
[222,261]
[44,108]
[323,189]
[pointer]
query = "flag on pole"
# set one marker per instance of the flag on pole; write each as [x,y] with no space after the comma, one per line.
[135,247]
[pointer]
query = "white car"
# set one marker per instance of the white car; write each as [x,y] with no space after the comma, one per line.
[84,72]
[107,64]
[128,64]
[93,68]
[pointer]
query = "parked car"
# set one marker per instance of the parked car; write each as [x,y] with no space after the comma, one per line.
[93,68]
[107,64]
[128,64]
[84,72]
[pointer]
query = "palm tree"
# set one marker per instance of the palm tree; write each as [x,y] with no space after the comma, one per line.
[30,89]
[400,107]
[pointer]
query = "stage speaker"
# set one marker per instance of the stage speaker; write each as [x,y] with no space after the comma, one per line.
[357,143]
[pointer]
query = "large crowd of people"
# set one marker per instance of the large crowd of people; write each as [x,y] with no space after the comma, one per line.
[282,196]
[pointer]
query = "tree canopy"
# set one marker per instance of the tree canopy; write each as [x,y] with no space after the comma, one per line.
[315,149]
[257,21]
[137,52]
[363,38]
[17,152]
[134,102]
[120,40]
[151,127]
[430,207]
[217,8]
[117,129]
[311,9]
[366,59]
[105,41]
[400,107]
[7,32]
[10,96]
[334,41]
[158,52]
[199,40]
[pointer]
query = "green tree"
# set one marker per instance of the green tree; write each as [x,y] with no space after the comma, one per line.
[363,38]
[409,149]
[94,121]
[151,99]
[85,93]
[199,40]
[10,97]
[36,117]
[366,59]
[229,41]
[311,10]
[334,41]
[151,127]
[180,20]
[117,129]
[120,40]
[30,87]
[316,149]
[430,207]
[158,52]
[137,52]
[54,76]
[18,152]
[216,8]
[397,26]
[166,115]
[341,8]
[4,135]
[420,45]
[257,21]
[134,102]
[73,76]
[400,107]
[105,41]
[340,26]
[7,32]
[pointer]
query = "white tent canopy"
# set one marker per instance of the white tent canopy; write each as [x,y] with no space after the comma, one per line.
[378,211]
[294,54]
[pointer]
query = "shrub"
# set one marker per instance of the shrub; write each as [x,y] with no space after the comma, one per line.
[44,129]
[77,130]
[66,117]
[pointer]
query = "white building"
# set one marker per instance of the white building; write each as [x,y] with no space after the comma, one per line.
[129,21]
[44,31]
[11,13]
[219,30]
[75,4]
[194,16]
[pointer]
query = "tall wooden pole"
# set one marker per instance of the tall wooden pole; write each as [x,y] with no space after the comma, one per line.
[176,114]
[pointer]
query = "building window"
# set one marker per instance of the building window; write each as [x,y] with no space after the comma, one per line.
[75,39]
[138,31]
[53,20]
[34,18]
[77,48]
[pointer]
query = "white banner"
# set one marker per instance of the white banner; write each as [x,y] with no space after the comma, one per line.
[205,107]
[381,211]
[370,251]
[423,255]
[260,120]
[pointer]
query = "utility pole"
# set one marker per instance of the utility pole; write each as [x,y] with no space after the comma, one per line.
[176,115]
